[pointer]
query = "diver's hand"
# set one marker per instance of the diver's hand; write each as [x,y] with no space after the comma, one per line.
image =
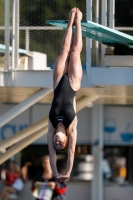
[63,178]
[57,177]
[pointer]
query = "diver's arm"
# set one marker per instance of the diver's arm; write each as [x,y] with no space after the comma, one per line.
[70,158]
[52,152]
[71,151]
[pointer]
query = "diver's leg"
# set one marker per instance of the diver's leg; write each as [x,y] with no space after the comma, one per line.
[61,63]
[74,66]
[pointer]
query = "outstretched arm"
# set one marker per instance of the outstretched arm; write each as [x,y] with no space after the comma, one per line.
[71,151]
[52,152]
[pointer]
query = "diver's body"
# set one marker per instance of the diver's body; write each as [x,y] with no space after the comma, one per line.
[67,76]
[62,109]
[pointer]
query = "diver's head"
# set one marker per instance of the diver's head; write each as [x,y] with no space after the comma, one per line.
[60,138]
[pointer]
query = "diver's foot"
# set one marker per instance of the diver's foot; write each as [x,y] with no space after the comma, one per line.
[78,16]
[72,15]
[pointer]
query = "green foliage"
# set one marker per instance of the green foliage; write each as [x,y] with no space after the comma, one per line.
[2,13]
[36,12]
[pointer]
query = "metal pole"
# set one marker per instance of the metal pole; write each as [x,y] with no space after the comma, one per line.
[88,41]
[111,19]
[97,152]
[111,13]
[23,106]
[22,144]
[104,22]
[7,34]
[27,40]
[15,34]
[97,21]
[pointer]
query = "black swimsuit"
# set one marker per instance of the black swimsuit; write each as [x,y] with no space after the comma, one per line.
[62,106]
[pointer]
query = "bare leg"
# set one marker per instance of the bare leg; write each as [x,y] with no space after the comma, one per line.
[6,191]
[74,66]
[62,60]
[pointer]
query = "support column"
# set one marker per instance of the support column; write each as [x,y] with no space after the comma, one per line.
[7,34]
[112,14]
[97,147]
[27,40]
[15,34]
[111,19]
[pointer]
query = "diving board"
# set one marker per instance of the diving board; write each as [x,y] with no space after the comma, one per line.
[99,33]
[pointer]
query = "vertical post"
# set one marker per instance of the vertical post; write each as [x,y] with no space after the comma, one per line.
[27,40]
[7,34]
[111,13]
[111,19]
[88,41]
[97,21]
[97,147]
[15,34]
[104,22]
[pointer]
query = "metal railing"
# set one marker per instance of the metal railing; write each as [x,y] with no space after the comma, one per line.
[28,29]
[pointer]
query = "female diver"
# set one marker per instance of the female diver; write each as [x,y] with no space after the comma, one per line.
[62,131]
